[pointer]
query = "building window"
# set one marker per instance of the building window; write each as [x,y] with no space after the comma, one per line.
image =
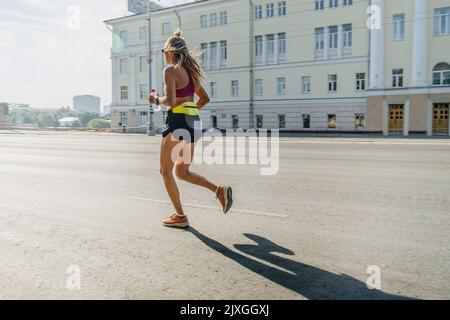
[442,21]
[282,8]
[143,33]
[270,47]
[332,83]
[143,118]
[398,27]
[333,37]
[320,38]
[123,36]
[213,55]
[203,21]
[360,81]
[348,2]
[166,29]
[306,85]
[143,91]
[143,64]
[441,74]
[348,35]
[234,88]
[306,121]
[223,53]
[281,86]
[397,78]
[282,43]
[235,121]
[259,49]
[320,4]
[259,87]
[124,93]
[331,121]
[334,3]
[213,20]
[204,55]
[259,121]
[214,89]
[281,121]
[123,119]
[270,10]
[258,12]
[360,122]
[223,18]
[214,121]
[123,65]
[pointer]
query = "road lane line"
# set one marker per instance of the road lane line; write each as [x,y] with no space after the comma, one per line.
[373,142]
[200,206]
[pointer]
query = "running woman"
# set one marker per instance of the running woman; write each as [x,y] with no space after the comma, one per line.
[182,81]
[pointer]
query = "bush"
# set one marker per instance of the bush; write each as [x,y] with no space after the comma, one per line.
[99,124]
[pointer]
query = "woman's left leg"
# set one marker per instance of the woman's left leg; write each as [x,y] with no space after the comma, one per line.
[223,193]
[183,172]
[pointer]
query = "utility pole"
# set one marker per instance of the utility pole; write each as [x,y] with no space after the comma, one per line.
[251,60]
[150,130]
[179,18]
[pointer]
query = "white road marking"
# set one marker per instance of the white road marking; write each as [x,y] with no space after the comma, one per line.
[381,142]
[257,213]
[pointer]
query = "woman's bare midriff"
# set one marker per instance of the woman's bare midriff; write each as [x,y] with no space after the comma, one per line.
[181,101]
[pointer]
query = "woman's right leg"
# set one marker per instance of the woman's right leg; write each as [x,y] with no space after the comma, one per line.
[167,164]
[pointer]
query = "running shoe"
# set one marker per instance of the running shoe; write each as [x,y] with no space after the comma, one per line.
[225,197]
[176,221]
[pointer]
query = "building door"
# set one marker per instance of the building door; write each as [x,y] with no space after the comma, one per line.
[440,118]
[396,118]
[214,121]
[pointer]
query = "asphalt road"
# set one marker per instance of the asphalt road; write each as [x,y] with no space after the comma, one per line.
[93,203]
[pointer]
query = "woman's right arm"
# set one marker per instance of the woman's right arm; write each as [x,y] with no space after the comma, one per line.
[203,97]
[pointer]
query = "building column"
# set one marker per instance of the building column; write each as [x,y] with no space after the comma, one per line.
[406,113]
[208,63]
[218,56]
[449,126]
[385,119]
[340,40]
[325,43]
[420,44]
[132,90]
[264,50]
[275,45]
[429,117]
[377,45]
[114,82]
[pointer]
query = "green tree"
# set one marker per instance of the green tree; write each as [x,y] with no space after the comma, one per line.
[99,123]
[27,119]
[86,117]
[46,120]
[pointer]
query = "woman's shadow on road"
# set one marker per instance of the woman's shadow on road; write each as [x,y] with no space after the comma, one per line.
[308,281]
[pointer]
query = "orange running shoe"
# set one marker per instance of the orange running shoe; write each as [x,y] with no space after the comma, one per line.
[225,197]
[176,221]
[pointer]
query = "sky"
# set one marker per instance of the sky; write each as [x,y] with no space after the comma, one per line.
[53,50]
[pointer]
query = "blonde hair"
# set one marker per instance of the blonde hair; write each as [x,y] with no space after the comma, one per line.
[183,57]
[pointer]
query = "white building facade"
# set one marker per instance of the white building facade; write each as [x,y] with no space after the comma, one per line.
[291,65]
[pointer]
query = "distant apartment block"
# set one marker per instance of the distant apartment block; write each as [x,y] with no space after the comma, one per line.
[86,103]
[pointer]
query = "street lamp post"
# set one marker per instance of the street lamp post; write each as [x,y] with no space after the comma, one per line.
[150,130]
